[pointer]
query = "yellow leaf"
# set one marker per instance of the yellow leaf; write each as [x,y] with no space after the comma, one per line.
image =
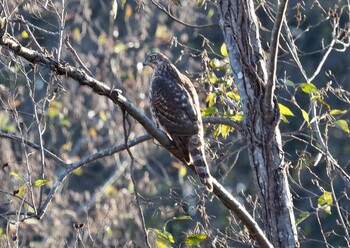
[211,99]
[223,50]
[128,12]
[21,191]
[76,34]
[338,112]
[92,132]
[308,88]
[284,110]
[225,130]
[305,116]
[343,125]
[103,116]
[183,171]
[24,35]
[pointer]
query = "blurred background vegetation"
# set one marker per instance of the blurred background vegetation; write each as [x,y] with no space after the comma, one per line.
[96,205]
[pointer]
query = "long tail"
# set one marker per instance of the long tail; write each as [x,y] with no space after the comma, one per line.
[196,149]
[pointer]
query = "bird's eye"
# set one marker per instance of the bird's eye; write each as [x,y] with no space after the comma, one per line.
[153,57]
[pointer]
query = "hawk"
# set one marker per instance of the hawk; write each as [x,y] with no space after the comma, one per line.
[175,107]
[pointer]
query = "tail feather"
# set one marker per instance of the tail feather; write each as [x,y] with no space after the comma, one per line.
[196,150]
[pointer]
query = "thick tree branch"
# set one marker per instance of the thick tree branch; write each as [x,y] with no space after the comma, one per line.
[115,95]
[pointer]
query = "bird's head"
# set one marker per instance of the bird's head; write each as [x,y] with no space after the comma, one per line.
[153,59]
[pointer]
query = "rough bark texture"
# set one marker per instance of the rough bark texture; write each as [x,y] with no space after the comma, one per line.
[260,125]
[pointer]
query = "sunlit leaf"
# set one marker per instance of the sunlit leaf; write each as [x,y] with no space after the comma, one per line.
[20,177]
[103,116]
[182,171]
[20,191]
[212,78]
[305,116]
[302,216]
[285,110]
[4,118]
[78,171]
[163,235]
[128,12]
[40,182]
[114,9]
[223,50]
[211,12]
[196,239]
[225,130]
[343,125]
[233,96]
[308,88]
[215,63]
[284,119]
[325,201]
[338,112]
[183,217]
[323,102]
[237,117]
[209,111]
[211,99]
[76,34]
[315,97]
[24,34]
[92,132]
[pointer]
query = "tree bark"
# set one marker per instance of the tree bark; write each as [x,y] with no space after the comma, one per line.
[261,119]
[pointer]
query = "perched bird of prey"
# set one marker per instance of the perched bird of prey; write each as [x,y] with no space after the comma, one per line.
[175,107]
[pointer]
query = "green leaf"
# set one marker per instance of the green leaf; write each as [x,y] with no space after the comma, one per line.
[288,82]
[223,50]
[343,125]
[209,111]
[338,112]
[20,177]
[302,216]
[40,182]
[284,110]
[183,217]
[308,88]
[163,236]
[196,239]
[325,201]
[305,116]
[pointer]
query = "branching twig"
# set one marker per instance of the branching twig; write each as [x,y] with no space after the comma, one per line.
[132,170]
[162,8]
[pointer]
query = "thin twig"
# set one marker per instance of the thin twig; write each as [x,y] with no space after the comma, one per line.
[162,8]
[132,170]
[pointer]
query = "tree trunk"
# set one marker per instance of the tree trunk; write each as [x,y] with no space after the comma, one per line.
[261,118]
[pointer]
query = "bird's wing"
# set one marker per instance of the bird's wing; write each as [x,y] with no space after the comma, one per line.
[173,107]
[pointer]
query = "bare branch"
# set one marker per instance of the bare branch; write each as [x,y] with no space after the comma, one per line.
[272,63]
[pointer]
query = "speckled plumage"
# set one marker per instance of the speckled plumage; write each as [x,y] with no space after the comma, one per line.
[175,107]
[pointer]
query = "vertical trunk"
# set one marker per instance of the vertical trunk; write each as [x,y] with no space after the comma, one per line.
[240,28]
